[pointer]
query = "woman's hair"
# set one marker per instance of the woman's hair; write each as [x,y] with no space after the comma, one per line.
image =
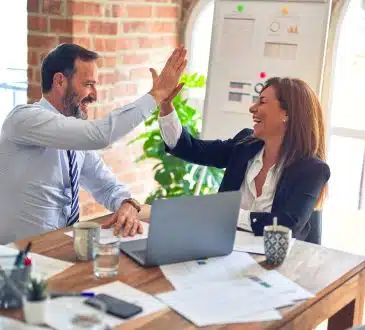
[305,129]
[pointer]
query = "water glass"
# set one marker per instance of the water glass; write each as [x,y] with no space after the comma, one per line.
[106,262]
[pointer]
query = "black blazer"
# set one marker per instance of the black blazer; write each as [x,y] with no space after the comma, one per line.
[297,191]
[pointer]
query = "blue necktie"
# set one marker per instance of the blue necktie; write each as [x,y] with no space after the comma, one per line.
[73,171]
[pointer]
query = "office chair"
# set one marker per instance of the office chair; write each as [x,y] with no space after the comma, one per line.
[315,233]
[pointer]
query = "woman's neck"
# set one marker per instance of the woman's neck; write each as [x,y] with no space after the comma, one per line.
[272,152]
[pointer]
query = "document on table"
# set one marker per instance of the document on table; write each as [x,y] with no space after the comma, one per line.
[248,242]
[107,235]
[61,311]
[193,273]
[42,266]
[7,323]
[236,266]
[238,301]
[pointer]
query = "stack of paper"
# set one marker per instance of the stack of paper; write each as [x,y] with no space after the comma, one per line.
[107,235]
[61,311]
[228,289]
[42,266]
[248,242]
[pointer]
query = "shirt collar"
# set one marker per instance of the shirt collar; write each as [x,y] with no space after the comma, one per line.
[259,157]
[46,104]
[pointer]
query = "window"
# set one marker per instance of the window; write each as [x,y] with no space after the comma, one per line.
[198,37]
[13,58]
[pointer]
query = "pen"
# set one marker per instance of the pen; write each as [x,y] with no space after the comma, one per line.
[19,258]
[22,253]
[71,294]
[27,249]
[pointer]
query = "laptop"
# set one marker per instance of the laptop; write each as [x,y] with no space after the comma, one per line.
[187,228]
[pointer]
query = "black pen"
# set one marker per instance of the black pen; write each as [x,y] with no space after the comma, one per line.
[22,254]
[27,249]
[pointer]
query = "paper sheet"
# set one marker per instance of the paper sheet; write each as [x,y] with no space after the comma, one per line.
[42,266]
[62,310]
[226,302]
[107,235]
[7,323]
[193,273]
[236,266]
[282,285]
[247,242]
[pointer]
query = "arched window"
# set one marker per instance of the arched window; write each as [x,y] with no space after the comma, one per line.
[197,38]
[344,212]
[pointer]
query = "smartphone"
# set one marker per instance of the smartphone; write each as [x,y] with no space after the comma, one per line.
[114,306]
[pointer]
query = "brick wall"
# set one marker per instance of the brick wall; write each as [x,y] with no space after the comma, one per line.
[131,36]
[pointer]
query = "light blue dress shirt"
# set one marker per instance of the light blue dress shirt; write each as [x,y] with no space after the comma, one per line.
[35,190]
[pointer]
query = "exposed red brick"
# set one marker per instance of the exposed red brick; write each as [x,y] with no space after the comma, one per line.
[139,11]
[33,6]
[168,12]
[135,59]
[118,11]
[82,41]
[32,57]
[126,38]
[41,42]
[98,27]
[68,26]
[34,90]
[54,7]
[107,78]
[135,27]
[105,45]
[124,43]
[37,23]
[85,9]
[110,61]
[160,27]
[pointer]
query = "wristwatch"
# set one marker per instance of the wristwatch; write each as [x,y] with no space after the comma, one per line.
[134,203]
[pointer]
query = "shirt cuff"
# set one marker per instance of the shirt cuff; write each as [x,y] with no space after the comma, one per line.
[118,202]
[244,220]
[171,128]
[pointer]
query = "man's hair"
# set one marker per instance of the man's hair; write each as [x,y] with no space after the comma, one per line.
[62,59]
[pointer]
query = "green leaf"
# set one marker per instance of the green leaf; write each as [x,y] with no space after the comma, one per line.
[175,177]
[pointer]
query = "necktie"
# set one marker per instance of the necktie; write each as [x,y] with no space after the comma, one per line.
[73,171]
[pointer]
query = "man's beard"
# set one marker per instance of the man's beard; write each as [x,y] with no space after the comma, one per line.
[71,108]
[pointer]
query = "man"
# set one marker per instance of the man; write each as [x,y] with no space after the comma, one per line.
[46,149]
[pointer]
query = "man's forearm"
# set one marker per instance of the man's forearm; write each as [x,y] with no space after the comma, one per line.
[38,127]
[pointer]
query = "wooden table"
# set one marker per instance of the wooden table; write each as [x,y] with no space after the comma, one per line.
[337,278]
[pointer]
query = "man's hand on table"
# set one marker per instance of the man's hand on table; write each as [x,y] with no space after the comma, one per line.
[125,221]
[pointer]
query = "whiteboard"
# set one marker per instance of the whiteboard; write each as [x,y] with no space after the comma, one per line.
[252,41]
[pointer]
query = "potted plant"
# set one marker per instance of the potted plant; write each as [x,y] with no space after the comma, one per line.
[35,301]
[175,177]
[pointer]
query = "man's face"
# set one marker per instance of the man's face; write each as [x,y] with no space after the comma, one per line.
[80,90]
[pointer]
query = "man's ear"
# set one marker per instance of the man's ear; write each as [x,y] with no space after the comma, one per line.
[59,81]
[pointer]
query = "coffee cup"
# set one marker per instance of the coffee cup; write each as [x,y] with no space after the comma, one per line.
[84,235]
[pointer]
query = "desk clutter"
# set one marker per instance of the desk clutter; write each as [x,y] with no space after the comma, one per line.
[220,290]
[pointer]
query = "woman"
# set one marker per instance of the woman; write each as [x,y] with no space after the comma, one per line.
[279,165]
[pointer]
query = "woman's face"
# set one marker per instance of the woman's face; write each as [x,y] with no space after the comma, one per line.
[268,117]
